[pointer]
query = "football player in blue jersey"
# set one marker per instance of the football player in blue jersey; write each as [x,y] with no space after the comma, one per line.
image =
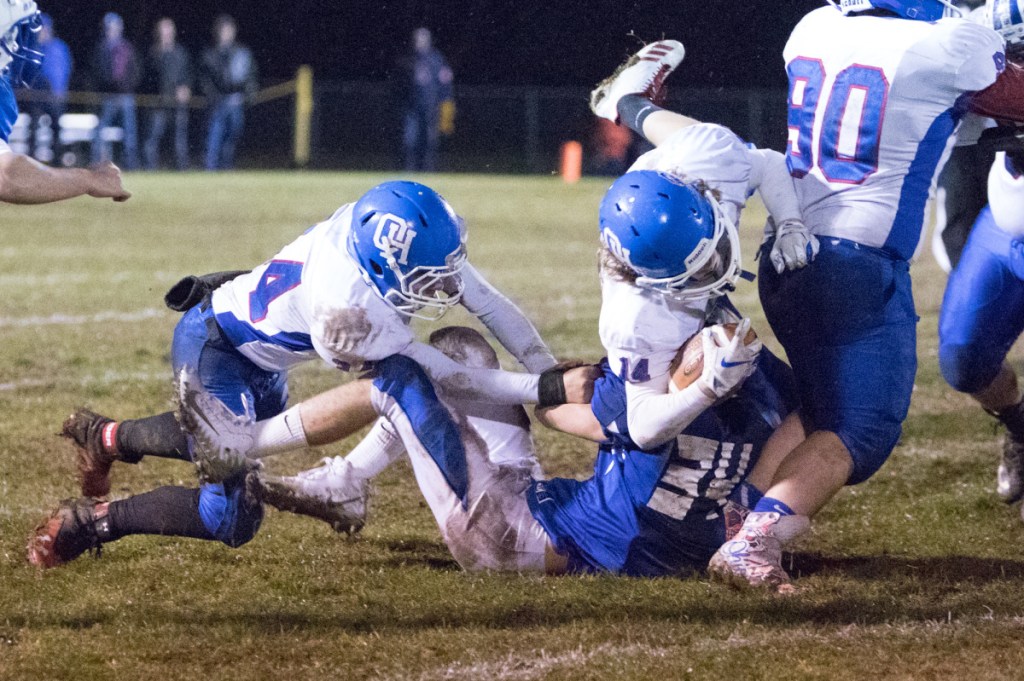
[982,311]
[23,179]
[344,291]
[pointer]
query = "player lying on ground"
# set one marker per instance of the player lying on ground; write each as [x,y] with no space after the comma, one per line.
[643,513]
[22,178]
[343,291]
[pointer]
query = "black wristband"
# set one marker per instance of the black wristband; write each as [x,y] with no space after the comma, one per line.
[551,391]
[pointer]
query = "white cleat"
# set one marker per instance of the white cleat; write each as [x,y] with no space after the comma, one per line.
[643,74]
[221,440]
[330,492]
[754,557]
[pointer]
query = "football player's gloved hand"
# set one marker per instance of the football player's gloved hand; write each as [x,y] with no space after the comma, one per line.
[220,439]
[794,246]
[727,361]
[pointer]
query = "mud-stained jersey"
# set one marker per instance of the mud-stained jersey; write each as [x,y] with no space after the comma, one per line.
[310,300]
[872,104]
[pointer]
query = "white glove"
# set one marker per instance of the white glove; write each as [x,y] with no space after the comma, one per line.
[794,246]
[727,362]
[220,440]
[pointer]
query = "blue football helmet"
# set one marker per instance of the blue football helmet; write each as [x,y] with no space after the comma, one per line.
[409,246]
[1008,22]
[673,235]
[19,29]
[919,10]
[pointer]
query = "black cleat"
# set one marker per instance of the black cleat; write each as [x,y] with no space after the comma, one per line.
[85,429]
[69,532]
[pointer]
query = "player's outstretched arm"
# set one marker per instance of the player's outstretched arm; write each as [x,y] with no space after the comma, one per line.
[24,180]
[506,321]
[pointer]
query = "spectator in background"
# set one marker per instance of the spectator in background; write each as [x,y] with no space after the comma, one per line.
[610,145]
[228,79]
[116,73]
[49,79]
[23,179]
[169,72]
[425,89]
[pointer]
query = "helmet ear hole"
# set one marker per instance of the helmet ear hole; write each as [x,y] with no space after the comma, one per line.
[377,269]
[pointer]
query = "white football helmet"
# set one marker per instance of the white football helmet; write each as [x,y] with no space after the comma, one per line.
[19,25]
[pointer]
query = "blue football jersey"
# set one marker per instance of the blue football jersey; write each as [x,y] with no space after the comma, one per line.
[8,108]
[659,512]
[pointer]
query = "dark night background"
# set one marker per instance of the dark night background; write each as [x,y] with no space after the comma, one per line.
[729,44]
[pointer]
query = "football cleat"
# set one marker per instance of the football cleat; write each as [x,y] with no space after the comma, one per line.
[220,439]
[1010,476]
[69,532]
[86,429]
[642,74]
[754,557]
[331,492]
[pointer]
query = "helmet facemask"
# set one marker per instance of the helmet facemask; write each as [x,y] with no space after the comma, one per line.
[17,47]
[425,292]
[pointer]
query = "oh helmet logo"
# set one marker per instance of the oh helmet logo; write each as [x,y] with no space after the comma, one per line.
[394,238]
[612,243]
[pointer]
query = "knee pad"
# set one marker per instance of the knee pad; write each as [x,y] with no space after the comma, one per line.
[968,368]
[228,514]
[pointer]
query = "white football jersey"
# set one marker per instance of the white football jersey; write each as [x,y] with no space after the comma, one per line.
[641,330]
[873,102]
[1006,197]
[310,300]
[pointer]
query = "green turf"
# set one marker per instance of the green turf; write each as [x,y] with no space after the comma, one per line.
[918,573]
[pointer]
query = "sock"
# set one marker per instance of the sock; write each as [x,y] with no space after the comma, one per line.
[158,435]
[375,452]
[1012,417]
[746,495]
[771,504]
[281,433]
[634,110]
[169,511]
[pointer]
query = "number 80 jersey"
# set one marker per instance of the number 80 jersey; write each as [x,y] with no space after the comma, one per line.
[873,102]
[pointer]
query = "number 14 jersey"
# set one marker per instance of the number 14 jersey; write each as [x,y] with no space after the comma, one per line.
[873,102]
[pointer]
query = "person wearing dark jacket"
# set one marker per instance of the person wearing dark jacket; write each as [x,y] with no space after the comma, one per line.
[169,75]
[116,73]
[229,79]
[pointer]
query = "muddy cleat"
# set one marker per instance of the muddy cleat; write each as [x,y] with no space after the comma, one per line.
[221,440]
[330,492]
[88,431]
[69,532]
[1010,476]
[643,74]
[754,557]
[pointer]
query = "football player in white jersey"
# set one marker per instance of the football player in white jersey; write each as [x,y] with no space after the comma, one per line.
[670,247]
[876,89]
[342,291]
[983,307]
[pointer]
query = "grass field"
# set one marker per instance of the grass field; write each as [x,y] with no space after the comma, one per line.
[917,574]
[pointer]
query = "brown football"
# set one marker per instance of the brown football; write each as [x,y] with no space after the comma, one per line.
[689,362]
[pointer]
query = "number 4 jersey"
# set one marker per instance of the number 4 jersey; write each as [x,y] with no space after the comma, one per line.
[872,104]
[310,300]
